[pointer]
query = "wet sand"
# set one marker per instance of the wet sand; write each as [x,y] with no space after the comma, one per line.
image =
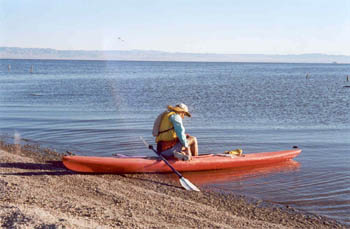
[36,191]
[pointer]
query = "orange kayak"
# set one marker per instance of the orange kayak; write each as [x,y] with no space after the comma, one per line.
[141,164]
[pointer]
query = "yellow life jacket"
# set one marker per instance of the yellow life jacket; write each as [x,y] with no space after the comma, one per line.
[166,129]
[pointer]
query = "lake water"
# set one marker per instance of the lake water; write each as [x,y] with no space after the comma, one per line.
[102,107]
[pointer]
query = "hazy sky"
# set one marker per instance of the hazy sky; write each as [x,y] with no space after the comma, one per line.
[203,26]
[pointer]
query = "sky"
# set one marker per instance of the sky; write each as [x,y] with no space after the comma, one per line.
[195,26]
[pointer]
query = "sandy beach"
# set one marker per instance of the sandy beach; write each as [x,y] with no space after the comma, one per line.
[36,191]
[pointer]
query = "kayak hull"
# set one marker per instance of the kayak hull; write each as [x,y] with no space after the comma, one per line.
[120,165]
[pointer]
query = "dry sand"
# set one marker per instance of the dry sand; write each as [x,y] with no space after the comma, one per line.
[36,191]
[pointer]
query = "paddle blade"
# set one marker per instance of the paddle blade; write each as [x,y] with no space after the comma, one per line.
[188,185]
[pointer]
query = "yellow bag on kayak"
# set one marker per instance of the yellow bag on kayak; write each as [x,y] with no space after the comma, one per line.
[236,152]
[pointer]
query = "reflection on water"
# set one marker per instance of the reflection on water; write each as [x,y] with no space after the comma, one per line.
[235,174]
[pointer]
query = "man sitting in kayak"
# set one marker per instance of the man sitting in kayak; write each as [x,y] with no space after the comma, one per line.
[170,134]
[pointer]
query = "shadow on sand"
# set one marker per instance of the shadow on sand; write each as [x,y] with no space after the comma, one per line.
[56,168]
[49,168]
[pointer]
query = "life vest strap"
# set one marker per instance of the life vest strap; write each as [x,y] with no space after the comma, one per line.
[160,132]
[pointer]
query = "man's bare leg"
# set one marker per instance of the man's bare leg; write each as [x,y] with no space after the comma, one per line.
[192,141]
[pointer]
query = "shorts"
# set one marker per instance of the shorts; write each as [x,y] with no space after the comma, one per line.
[170,152]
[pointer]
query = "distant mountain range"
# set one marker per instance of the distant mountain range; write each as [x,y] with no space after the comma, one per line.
[144,55]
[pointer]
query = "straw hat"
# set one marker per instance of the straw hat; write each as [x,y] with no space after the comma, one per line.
[180,108]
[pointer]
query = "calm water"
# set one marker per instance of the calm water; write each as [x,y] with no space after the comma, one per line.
[101,108]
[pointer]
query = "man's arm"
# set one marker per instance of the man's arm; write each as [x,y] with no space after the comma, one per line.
[179,129]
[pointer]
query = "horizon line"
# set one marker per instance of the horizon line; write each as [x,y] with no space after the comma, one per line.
[180,61]
[178,52]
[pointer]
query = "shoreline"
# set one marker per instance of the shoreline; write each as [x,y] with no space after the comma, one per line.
[36,191]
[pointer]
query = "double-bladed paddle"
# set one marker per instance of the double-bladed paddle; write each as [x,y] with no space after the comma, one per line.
[184,182]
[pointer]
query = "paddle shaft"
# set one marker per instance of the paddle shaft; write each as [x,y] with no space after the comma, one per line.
[183,181]
[166,161]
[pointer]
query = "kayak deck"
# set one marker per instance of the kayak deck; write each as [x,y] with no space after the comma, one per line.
[122,165]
